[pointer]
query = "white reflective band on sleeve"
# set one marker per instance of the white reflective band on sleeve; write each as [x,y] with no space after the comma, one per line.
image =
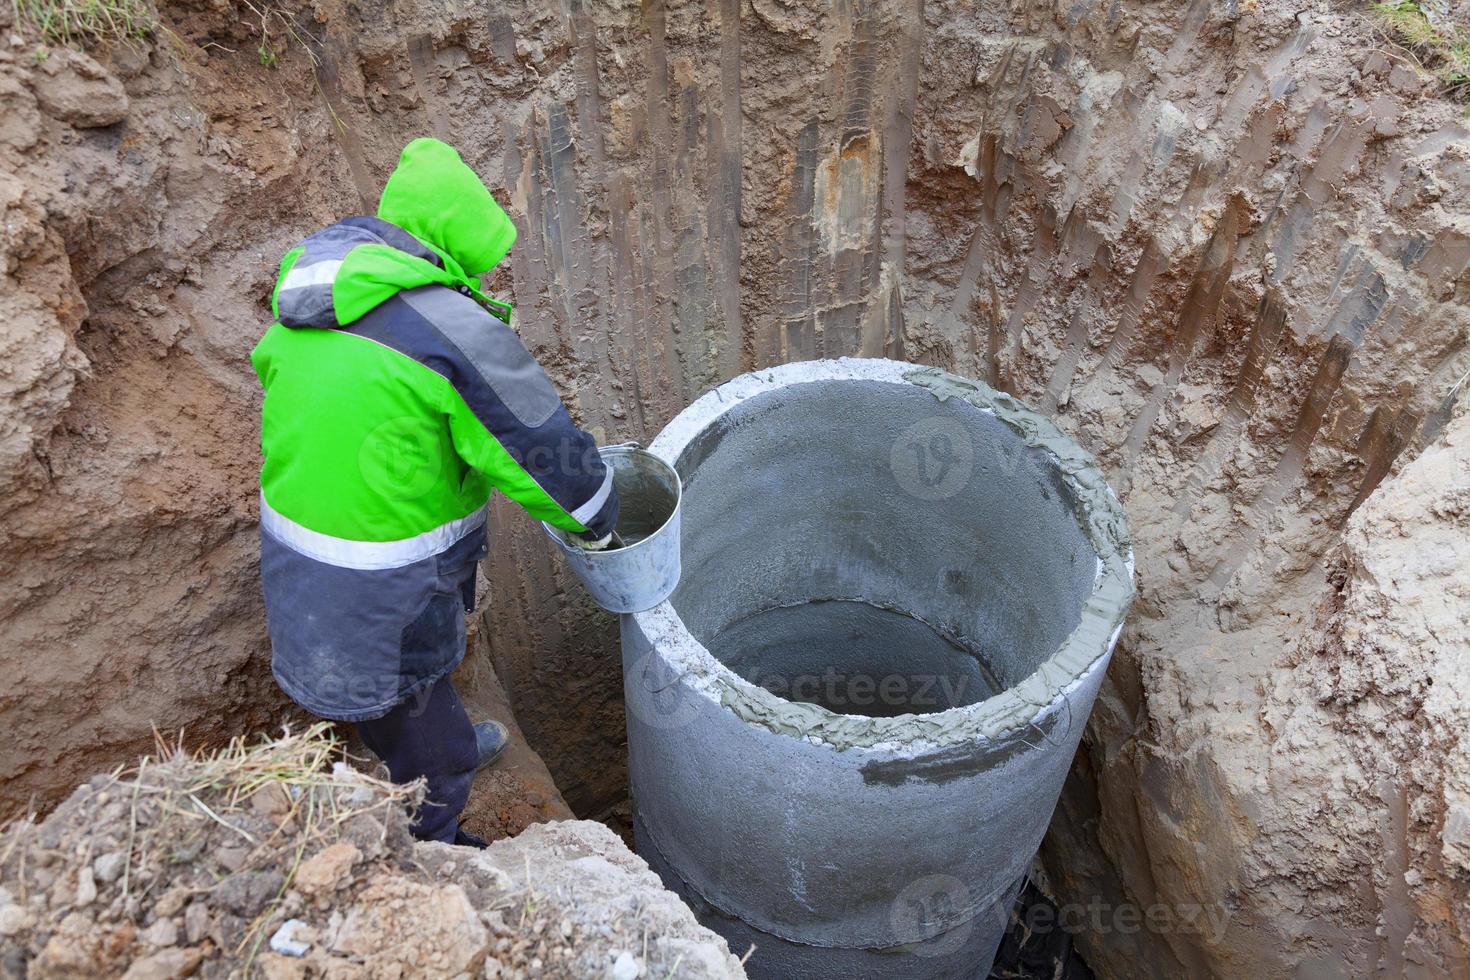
[365,555]
[589,510]
[316,274]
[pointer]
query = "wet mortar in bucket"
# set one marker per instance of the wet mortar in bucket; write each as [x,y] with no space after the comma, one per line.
[645,504]
[643,566]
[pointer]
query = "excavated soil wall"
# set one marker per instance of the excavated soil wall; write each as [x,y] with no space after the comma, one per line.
[1225,244]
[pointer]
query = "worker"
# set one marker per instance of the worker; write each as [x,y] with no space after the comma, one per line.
[397,396]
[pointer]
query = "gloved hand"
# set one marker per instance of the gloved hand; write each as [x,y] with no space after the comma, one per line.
[593,544]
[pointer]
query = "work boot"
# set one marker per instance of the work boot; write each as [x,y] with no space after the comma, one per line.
[491,738]
[463,838]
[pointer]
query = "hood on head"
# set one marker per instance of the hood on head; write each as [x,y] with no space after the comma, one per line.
[439,200]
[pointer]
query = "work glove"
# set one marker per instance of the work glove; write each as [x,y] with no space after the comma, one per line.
[593,544]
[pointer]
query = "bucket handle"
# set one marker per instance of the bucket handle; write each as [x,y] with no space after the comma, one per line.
[630,444]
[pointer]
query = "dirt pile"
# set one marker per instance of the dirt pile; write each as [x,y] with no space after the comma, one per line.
[280,858]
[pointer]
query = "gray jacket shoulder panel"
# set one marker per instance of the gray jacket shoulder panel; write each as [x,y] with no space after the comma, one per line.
[492,349]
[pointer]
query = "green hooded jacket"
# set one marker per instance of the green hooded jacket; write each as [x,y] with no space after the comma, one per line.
[397,397]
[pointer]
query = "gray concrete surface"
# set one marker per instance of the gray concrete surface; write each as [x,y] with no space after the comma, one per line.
[910,532]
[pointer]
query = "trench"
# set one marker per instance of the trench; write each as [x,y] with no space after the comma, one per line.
[1177,227]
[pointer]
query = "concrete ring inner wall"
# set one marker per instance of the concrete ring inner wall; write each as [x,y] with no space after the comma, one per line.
[870,520]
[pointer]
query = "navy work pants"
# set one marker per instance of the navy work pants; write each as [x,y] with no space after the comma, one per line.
[429,736]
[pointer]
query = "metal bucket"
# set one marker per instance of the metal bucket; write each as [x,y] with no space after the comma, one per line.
[642,573]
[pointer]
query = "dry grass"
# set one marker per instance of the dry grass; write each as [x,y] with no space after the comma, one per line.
[308,766]
[279,29]
[175,805]
[1437,42]
[301,760]
[72,22]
